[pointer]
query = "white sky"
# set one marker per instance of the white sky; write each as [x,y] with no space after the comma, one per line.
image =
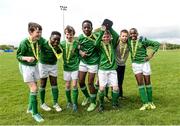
[157,19]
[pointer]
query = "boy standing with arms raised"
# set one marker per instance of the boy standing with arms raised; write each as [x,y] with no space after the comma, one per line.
[107,74]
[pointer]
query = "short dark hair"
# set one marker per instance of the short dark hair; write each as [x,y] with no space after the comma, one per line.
[69,29]
[87,21]
[55,33]
[32,26]
[124,31]
[134,30]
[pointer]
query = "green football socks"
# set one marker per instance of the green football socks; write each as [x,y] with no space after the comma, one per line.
[149,92]
[55,93]
[143,94]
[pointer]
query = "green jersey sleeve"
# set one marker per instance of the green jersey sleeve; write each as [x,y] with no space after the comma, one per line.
[154,44]
[115,37]
[70,55]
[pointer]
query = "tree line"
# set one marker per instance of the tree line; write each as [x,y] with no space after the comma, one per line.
[164,46]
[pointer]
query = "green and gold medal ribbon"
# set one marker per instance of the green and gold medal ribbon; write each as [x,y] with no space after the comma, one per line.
[35,52]
[122,49]
[107,51]
[134,48]
[58,56]
[92,37]
[68,50]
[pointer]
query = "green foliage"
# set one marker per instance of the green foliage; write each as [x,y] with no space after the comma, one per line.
[4,47]
[165,80]
[169,46]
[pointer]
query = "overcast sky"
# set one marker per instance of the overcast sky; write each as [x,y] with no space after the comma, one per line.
[155,19]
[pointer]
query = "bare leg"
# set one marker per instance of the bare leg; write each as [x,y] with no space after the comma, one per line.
[82,78]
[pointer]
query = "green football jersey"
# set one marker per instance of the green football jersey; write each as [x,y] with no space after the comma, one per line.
[47,55]
[87,44]
[28,49]
[70,55]
[138,49]
[108,52]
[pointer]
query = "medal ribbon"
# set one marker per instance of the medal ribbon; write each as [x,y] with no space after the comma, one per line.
[107,51]
[92,37]
[54,51]
[122,49]
[134,48]
[68,50]
[35,52]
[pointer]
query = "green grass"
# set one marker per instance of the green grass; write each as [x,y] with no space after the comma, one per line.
[165,79]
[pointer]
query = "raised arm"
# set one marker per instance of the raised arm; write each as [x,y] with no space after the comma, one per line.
[115,36]
[99,38]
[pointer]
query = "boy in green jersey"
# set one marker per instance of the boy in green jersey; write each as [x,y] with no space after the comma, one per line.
[107,66]
[89,59]
[27,55]
[49,53]
[141,66]
[122,53]
[71,66]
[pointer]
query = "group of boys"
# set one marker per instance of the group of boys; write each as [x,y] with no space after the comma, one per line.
[103,52]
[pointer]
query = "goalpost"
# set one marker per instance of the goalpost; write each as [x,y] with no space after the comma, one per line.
[164,46]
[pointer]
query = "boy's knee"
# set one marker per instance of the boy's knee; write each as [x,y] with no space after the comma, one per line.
[115,88]
[34,89]
[75,87]
[101,88]
[91,86]
[43,85]
[43,82]
[82,85]
[68,85]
